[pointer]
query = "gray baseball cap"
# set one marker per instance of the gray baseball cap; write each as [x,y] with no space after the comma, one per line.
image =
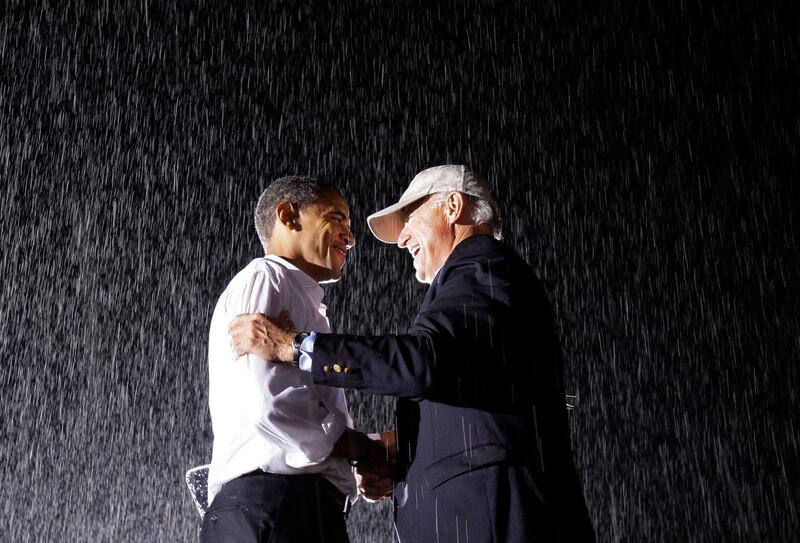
[387,223]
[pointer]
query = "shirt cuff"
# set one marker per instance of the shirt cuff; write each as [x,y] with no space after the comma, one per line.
[306,350]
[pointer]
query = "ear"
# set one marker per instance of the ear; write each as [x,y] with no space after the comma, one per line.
[454,207]
[287,215]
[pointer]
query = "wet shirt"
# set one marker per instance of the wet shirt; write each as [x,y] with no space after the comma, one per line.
[271,416]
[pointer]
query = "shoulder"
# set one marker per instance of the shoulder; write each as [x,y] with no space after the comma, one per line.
[487,267]
[261,269]
[483,256]
[258,276]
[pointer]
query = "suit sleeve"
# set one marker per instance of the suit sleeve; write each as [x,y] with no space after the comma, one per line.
[459,331]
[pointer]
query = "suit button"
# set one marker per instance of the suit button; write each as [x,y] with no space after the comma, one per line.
[337,368]
[326,368]
[348,369]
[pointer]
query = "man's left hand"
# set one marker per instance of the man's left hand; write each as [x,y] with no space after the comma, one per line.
[267,337]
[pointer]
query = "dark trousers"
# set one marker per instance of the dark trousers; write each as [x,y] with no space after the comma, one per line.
[263,507]
[500,503]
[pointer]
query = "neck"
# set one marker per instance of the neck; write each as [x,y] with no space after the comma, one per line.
[463,232]
[284,251]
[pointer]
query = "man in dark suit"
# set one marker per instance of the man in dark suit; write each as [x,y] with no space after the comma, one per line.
[484,445]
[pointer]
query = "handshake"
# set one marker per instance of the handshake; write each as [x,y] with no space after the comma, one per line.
[374,461]
[373,456]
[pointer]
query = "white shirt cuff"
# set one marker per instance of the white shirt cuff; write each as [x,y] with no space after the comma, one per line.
[306,350]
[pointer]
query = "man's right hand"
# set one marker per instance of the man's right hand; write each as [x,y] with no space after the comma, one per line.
[267,337]
[376,475]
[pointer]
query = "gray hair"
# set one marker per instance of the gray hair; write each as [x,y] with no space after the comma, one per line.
[298,190]
[478,211]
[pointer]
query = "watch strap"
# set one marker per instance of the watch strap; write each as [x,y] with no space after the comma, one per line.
[297,341]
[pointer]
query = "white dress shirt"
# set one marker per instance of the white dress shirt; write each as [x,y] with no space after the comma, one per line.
[272,416]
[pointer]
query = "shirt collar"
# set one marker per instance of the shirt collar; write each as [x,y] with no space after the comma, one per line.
[309,285]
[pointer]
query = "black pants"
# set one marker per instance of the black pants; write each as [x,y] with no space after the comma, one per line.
[263,507]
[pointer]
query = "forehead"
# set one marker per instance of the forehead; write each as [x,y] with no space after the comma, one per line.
[415,208]
[331,201]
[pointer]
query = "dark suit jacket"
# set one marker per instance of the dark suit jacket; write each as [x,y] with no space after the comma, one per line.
[482,423]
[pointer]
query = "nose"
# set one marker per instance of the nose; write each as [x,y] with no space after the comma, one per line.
[402,238]
[349,238]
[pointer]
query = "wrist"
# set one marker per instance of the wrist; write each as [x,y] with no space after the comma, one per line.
[362,453]
[355,462]
[353,446]
[287,347]
[297,342]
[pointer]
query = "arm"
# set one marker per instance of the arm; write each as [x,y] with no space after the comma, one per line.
[409,358]
[277,400]
[456,347]
[376,482]
[374,460]
[464,330]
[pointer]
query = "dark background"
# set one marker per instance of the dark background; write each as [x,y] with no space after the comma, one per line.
[645,159]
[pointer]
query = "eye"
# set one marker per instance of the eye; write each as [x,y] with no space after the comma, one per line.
[339,218]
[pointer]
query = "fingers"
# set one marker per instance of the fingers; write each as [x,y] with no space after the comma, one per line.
[373,470]
[243,329]
[243,320]
[376,493]
[375,488]
[389,440]
[254,333]
[239,342]
[375,476]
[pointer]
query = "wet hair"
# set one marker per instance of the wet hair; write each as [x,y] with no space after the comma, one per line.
[298,190]
[478,211]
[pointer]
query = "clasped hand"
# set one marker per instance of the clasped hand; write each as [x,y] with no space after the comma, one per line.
[267,337]
[375,476]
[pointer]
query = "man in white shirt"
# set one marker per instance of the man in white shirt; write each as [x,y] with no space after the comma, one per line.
[283,446]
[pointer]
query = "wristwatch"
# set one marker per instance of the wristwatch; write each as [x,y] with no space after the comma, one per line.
[297,341]
[355,462]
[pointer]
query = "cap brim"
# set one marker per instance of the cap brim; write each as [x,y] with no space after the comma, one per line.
[387,223]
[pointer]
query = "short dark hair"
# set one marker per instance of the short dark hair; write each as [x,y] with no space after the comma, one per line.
[296,189]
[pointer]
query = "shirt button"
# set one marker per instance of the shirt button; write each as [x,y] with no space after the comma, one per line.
[337,368]
[326,368]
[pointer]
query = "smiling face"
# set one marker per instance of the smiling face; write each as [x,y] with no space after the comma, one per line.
[427,237]
[323,238]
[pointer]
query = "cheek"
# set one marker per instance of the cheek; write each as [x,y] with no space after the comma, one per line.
[324,237]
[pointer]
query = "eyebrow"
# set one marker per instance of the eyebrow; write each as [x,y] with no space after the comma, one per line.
[409,210]
[339,214]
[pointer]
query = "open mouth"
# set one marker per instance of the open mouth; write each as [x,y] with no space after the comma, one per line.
[414,251]
[340,251]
